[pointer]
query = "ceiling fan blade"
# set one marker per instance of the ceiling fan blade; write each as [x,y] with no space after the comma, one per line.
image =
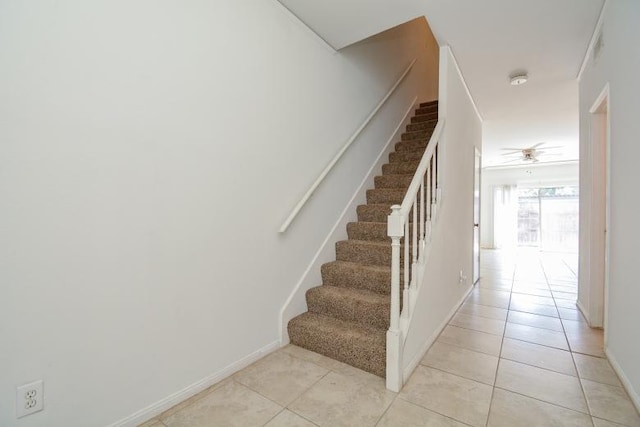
[512,149]
[533,147]
[519,159]
[518,153]
[553,147]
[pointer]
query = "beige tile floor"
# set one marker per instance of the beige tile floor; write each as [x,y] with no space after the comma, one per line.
[517,353]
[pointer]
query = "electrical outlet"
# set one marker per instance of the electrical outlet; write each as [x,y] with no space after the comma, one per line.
[29,398]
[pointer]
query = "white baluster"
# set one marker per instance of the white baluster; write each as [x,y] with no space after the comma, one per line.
[422,219]
[395,230]
[414,244]
[428,203]
[434,185]
[407,270]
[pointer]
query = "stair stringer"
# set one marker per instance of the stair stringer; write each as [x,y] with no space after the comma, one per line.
[296,302]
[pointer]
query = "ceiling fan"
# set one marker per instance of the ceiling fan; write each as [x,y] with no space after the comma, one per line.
[529,154]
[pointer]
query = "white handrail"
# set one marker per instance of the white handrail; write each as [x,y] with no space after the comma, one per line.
[416,182]
[344,148]
[422,196]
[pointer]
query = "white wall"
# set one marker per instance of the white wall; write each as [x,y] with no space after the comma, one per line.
[536,175]
[149,152]
[451,245]
[619,65]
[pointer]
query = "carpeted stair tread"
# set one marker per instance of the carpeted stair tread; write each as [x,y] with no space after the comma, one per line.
[427,125]
[429,104]
[425,117]
[426,110]
[406,156]
[360,346]
[392,196]
[374,231]
[347,274]
[410,146]
[359,306]
[373,213]
[420,134]
[400,168]
[393,181]
[366,252]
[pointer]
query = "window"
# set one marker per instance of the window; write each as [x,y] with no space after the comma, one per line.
[548,218]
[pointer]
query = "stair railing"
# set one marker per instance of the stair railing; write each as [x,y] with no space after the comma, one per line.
[410,225]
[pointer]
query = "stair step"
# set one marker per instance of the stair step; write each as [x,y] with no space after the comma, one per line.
[357,276]
[405,156]
[400,168]
[429,104]
[392,196]
[364,252]
[426,125]
[359,306]
[425,117]
[393,181]
[421,134]
[373,231]
[360,346]
[417,145]
[373,213]
[426,110]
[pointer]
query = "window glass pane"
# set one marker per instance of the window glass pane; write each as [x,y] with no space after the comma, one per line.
[548,218]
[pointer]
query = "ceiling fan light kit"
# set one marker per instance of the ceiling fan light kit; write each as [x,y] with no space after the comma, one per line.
[529,154]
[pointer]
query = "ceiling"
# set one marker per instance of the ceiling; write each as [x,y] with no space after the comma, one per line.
[490,39]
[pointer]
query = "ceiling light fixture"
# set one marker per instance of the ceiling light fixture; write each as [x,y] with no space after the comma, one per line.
[519,79]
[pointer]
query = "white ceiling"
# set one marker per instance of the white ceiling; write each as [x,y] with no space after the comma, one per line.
[490,39]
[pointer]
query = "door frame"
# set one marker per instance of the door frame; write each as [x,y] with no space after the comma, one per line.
[477,182]
[593,289]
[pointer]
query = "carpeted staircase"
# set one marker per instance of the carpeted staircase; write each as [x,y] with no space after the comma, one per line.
[348,315]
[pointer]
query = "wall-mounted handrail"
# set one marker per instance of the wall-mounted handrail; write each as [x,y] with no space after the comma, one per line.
[344,148]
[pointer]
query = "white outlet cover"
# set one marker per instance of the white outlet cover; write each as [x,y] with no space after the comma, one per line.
[29,398]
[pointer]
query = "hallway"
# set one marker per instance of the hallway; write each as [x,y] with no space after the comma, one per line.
[517,353]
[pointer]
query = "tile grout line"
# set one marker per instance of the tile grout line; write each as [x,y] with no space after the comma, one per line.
[434,411]
[575,366]
[543,401]
[504,330]
[284,407]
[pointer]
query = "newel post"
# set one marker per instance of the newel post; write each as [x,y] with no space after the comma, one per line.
[395,230]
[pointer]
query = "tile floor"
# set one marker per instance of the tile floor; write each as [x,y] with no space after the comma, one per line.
[517,353]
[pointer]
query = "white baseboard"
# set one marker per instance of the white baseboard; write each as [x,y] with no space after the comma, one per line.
[168,402]
[408,370]
[326,249]
[633,394]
